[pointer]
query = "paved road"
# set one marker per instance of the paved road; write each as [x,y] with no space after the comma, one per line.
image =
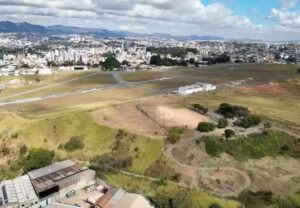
[48,86]
[121,83]
[119,78]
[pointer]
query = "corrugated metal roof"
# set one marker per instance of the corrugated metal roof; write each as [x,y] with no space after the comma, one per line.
[7,192]
[46,178]
[24,189]
[50,169]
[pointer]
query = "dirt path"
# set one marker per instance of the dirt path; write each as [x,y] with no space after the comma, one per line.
[197,173]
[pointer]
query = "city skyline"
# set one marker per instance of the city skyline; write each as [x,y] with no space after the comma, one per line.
[265,20]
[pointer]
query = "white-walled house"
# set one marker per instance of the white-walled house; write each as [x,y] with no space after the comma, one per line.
[198,87]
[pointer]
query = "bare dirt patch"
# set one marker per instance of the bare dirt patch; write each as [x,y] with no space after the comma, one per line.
[127,117]
[275,174]
[179,117]
[271,88]
[223,181]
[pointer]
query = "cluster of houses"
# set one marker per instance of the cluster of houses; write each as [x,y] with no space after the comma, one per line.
[195,88]
[11,70]
[65,184]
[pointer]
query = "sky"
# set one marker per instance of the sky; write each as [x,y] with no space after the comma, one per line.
[252,19]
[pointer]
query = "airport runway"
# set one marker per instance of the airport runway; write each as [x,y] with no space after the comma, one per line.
[120,83]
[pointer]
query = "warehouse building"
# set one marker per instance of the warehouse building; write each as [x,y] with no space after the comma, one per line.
[8,195]
[53,182]
[18,193]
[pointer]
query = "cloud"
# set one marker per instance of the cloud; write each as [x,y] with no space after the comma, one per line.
[287,20]
[145,16]
[288,4]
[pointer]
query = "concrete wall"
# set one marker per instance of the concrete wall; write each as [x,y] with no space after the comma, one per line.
[76,182]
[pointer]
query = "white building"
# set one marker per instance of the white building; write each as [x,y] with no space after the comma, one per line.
[198,87]
[26,195]
[18,193]
[9,70]
[43,70]
[8,196]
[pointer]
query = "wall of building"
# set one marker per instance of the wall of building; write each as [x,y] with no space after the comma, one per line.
[76,182]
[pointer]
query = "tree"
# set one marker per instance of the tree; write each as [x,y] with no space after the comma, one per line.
[206,127]
[111,63]
[156,60]
[215,205]
[249,121]
[38,158]
[200,109]
[174,134]
[192,61]
[223,58]
[125,63]
[222,123]
[229,133]
[74,143]
[230,111]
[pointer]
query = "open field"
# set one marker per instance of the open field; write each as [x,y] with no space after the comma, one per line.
[53,133]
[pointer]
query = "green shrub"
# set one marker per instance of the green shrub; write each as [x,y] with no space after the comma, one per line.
[74,143]
[254,146]
[174,134]
[206,127]
[200,109]
[5,151]
[38,158]
[229,133]
[249,121]
[215,205]
[222,123]
[230,111]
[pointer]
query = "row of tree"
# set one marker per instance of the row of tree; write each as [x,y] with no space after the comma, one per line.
[178,52]
[158,61]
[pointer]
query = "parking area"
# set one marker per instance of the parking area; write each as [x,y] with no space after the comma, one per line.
[79,199]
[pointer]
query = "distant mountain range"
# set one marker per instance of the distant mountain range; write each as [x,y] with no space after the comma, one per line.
[24,27]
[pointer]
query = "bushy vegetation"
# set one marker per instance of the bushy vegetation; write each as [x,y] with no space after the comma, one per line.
[111,63]
[158,61]
[264,199]
[222,123]
[230,111]
[254,146]
[206,127]
[229,133]
[245,119]
[173,51]
[249,121]
[200,109]
[174,134]
[75,143]
[223,58]
[38,158]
